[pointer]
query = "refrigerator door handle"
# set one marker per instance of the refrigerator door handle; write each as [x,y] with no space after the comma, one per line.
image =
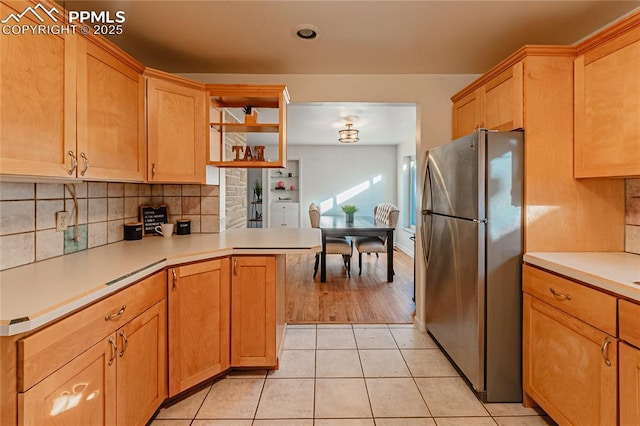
[426,203]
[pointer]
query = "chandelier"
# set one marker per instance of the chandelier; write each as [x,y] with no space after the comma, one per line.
[348,135]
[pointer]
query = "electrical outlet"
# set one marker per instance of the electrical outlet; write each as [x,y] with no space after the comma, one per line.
[61,221]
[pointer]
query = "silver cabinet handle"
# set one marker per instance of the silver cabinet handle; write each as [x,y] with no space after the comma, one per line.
[153,169]
[175,280]
[114,349]
[125,343]
[74,162]
[109,317]
[604,351]
[235,266]
[86,163]
[558,295]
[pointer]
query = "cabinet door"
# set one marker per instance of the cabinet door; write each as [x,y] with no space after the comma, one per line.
[504,100]
[199,322]
[82,392]
[565,369]
[468,113]
[607,108]
[37,99]
[629,385]
[290,219]
[176,126]
[253,312]
[111,124]
[141,366]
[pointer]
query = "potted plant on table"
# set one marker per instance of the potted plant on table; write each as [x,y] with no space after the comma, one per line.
[349,210]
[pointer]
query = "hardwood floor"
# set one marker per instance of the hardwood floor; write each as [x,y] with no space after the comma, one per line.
[368,298]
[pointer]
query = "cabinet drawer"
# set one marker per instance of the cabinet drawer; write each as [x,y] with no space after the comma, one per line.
[629,317]
[284,206]
[46,351]
[587,304]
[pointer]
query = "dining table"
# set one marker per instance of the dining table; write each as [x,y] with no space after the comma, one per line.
[361,226]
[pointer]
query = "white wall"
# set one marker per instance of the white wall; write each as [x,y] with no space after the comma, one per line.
[432,94]
[329,171]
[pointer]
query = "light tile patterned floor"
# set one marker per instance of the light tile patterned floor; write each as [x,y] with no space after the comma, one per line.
[383,375]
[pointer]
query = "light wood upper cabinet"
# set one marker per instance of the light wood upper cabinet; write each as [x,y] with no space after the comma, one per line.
[253,311]
[37,100]
[70,106]
[468,113]
[177,129]
[533,89]
[199,322]
[111,124]
[496,105]
[607,103]
[503,100]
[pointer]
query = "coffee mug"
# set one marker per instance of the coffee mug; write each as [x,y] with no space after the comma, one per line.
[166,229]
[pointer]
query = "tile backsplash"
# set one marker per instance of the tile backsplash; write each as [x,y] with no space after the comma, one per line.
[632,206]
[27,215]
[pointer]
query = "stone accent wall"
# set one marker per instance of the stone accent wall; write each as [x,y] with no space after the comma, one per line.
[632,229]
[27,215]
[235,183]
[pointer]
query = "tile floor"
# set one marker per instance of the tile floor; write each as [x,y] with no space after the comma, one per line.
[347,375]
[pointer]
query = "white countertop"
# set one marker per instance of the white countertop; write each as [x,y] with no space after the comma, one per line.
[617,272]
[41,292]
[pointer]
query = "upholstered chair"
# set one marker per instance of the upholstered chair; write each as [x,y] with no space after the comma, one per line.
[335,245]
[384,213]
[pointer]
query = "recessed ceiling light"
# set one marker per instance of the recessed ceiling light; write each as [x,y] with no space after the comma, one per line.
[306,31]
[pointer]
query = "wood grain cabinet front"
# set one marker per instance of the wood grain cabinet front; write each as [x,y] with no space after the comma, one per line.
[71,106]
[570,367]
[199,322]
[37,99]
[104,365]
[253,311]
[607,103]
[119,381]
[629,322]
[111,125]
[496,105]
[176,128]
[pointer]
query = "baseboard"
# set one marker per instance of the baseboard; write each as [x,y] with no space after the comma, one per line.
[404,249]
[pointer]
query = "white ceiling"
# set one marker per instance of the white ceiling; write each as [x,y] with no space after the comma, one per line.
[356,37]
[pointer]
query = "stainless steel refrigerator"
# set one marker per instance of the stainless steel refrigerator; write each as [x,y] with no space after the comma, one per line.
[472,241]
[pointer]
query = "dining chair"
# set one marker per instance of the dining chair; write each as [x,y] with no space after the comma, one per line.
[335,245]
[384,213]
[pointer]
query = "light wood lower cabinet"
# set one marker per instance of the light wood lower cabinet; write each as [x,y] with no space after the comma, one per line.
[570,365]
[199,322]
[141,366]
[119,381]
[253,311]
[629,385]
[80,393]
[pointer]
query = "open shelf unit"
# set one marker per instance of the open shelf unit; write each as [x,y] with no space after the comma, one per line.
[229,96]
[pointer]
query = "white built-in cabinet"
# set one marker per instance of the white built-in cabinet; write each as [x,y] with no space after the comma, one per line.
[282,190]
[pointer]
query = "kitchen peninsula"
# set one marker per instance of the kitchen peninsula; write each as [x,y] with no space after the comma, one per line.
[136,322]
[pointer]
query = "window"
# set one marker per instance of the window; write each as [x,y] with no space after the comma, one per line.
[409,190]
